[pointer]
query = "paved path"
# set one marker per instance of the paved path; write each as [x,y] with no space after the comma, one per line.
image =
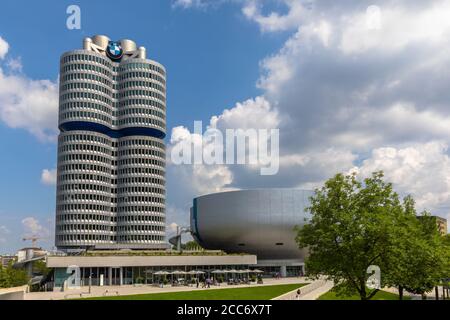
[130,290]
[311,291]
[315,294]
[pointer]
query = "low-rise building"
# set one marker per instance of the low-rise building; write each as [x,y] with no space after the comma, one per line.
[5,260]
[131,267]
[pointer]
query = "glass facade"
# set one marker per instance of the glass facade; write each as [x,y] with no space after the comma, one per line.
[114,276]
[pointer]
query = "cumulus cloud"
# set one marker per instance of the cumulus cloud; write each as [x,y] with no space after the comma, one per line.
[200,178]
[204,178]
[48,177]
[323,87]
[26,103]
[399,27]
[32,227]
[255,113]
[422,170]
[172,227]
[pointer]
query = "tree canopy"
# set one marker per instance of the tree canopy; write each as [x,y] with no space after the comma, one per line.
[358,224]
[11,277]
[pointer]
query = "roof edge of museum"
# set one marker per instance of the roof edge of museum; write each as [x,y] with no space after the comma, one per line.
[253,189]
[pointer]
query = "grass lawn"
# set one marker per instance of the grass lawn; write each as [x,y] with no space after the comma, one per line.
[380,295]
[248,293]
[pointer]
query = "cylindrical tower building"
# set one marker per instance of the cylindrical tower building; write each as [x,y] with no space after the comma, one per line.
[111,152]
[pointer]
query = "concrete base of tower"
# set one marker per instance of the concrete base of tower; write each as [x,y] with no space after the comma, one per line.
[114,246]
[133,246]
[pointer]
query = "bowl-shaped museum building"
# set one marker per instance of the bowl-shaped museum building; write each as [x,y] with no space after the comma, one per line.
[259,221]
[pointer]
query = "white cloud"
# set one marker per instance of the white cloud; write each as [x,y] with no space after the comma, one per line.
[333,98]
[4,231]
[172,227]
[323,162]
[275,21]
[422,170]
[188,181]
[199,4]
[15,64]
[48,177]
[400,26]
[186,3]
[251,114]
[4,47]
[29,104]
[32,227]
[198,178]
[26,103]
[201,179]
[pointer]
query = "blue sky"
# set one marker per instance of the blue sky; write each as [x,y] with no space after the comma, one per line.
[343,93]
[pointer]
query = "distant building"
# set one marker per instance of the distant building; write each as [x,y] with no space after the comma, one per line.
[5,260]
[441,223]
[27,256]
[126,267]
[30,253]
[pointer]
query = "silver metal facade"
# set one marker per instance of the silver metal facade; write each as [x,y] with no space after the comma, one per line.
[258,222]
[111,153]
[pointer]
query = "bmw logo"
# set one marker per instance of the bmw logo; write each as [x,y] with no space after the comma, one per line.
[114,50]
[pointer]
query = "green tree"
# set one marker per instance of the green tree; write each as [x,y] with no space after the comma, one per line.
[434,261]
[12,277]
[349,231]
[446,244]
[416,259]
[40,267]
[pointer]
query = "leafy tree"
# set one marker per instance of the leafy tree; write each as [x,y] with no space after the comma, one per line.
[435,257]
[416,259]
[446,244]
[12,277]
[355,225]
[349,231]
[40,267]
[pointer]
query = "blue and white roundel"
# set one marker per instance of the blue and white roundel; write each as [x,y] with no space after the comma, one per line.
[114,50]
